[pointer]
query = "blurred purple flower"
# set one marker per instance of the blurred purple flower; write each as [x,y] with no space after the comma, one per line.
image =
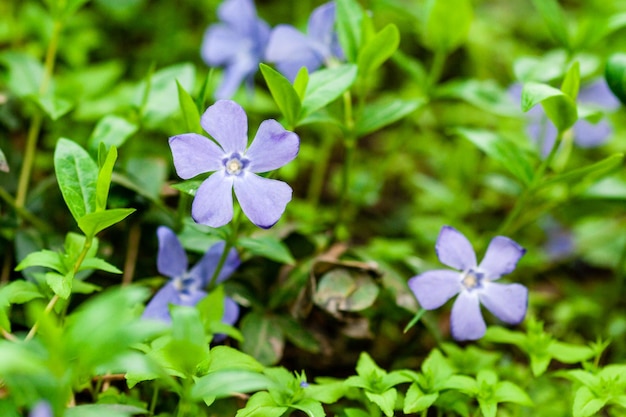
[291,50]
[263,200]
[185,287]
[237,44]
[41,409]
[586,134]
[474,284]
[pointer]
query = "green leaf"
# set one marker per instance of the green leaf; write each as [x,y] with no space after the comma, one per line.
[571,82]
[339,290]
[588,174]
[509,392]
[553,16]
[416,401]
[386,401]
[586,403]
[24,73]
[484,94]
[112,131]
[188,187]
[615,74]
[508,153]
[311,407]
[61,285]
[325,86]
[301,82]
[211,307]
[348,19]
[225,357]
[378,49]
[76,174]
[4,165]
[45,258]
[93,223]
[383,112]
[191,115]
[298,334]
[100,264]
[488,408]
[284,94]
[462,383]
[268,247]
[226,382]
[55,107]
[447,24]
[539,362]
[19,292]
[559,107]
[261,404]
[104,179]
[569,353]
[263,338]
[99,410]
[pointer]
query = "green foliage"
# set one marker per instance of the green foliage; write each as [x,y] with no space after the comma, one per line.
[284,94]
[559,107]
[447,24]
[615,73]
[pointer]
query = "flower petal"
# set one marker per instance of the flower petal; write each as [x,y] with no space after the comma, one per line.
[227,123]
[433,288]
[590,135]
[322,23]
[243,67]
[41,409]
[508,302]
[466,321]
[272,147]
[158,307]
[213,203]
[263,200]
[231,311]
[171,259]
[454,250]
[221,44]
[205,268]
[501,257]
[194,154]
[291,50]
[240,14]
[599,93]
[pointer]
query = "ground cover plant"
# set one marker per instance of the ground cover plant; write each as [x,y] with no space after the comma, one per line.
[272,208]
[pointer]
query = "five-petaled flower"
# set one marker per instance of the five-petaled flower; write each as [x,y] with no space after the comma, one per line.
[263,200]
[291,50]
[237,43]
[474,283]
[186,286]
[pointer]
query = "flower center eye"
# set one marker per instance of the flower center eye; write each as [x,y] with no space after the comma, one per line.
[234,164]
[472,279]
[185,284]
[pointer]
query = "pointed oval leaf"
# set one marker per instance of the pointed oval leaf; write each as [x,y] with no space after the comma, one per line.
[379,49]
[559,107]
[325,86]
[615,74]
[284,94]
[447,24]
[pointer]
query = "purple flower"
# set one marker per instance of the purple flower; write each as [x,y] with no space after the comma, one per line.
[474,283]
[586,134]
[185,287]
[237,43]
[263,200]
[41,409]
[291,50]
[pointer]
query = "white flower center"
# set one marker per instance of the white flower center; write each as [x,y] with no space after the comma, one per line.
[234,166]
[472,279]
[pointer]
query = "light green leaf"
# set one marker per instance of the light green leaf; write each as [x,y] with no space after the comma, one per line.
[104,179]
[416,401]
[325,86]
[284,94]
[569,353]
[268,247]
[447,24]
[261,404]
[348,19]
[386,401]
[589,173]
[19,292]
[61,285]
[539,362]
[509,392]
[484,94]
[310,407]
[226,382]
[488,408]
[45,258]
[301,82]
[339,290]
[189,110]
[93,223]
[552,14]
[559,107]
[24,73]
[76,174]
[378,49]
[100,264]
[225,357]
[571,82]
[383,112]
[99,410]
[586,403]
[54,107]
[508,153]
[112,131]
[615,73]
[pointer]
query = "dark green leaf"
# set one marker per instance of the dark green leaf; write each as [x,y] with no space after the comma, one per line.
[189,187]
[112,131]
[298,335]
[284,94]
[552,14]
[93,223]
[615,73]
[76,174]
[263,338]
[447,24]
[378,49]
[349,17]
[383,112]
[268,247]
[508,153]
[189,110]
[325,86]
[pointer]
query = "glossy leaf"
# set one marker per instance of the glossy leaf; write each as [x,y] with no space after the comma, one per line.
[447,24]
[559,107]
[349,16]
[226,382]
[46,258]
[104,179]
[4,165]
[188,107]
[378,49]
[283,92]
[325,86]
[384,112]
[76,174]
[615,73]
[93,223]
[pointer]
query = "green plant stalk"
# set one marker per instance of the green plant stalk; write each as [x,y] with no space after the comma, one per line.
[320,167]
[56,298]
[436,70]
[509,225]
[153,401]
[349,143]
[35,127]
[24,213]
[230,243]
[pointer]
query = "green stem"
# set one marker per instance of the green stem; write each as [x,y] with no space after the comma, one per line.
[349,143]
[509,225]
[436,69]
[35,127]
[320,167]
[230,242]
[153,401]
[23,213]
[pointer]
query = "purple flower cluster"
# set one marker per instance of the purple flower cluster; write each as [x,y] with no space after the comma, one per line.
[474,283]
[186,286]
[241,41]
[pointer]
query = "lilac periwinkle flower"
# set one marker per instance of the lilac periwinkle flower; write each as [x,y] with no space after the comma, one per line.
[263,200]
[41,409]
[186,286]
[237,43]
[291,50]
[473,283]
[586,134]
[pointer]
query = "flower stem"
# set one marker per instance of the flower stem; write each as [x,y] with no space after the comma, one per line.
[511,223]
[230,242]
[349,142]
